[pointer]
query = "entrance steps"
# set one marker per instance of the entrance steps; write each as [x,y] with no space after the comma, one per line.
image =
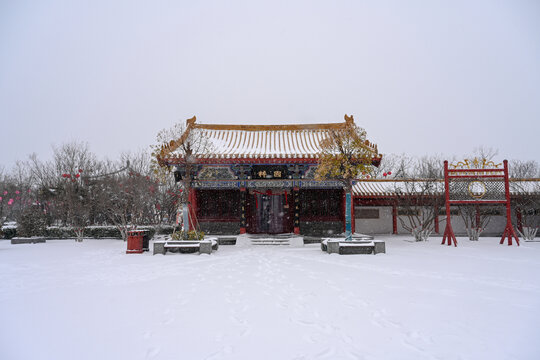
[278,239]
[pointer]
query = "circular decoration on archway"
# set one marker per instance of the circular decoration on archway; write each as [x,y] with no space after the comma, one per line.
[477,189]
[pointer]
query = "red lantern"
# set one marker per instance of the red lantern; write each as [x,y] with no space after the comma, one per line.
[77,175]
[384,174]
[80,170]
[389,173]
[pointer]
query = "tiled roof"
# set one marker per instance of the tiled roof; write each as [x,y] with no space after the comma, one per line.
[380,187]
[384,188]
[265,141]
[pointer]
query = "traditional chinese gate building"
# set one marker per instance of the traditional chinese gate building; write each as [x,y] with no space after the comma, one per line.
[261,179]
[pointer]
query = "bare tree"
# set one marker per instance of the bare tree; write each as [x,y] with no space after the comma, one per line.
[62,187]
[419,194]
[129,197]
[177,150]
[519,169]
[16,193]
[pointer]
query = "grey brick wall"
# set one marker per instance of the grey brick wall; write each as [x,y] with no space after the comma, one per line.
[321,228]
[220,228]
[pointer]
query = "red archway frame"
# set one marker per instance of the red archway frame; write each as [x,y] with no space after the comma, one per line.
[484,174]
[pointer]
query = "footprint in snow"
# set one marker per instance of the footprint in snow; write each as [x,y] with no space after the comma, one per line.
[168,321]
[310,338]
[245,332]
[237,320]
[327,353]
[152,352]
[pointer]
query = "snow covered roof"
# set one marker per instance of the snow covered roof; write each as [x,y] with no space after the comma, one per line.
[525,186]
[386,187]
[264,141]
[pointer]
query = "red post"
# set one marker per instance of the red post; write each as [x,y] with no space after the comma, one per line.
[509,231]
[448,231]
[394,219]
[436,220]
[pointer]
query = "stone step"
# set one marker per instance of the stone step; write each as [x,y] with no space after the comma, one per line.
[270,242]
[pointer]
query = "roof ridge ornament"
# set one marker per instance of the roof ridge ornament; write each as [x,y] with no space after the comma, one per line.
[191,122]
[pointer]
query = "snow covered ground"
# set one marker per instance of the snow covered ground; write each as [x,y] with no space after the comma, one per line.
[68,300]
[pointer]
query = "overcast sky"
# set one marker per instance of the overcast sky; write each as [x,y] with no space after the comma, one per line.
[421,77]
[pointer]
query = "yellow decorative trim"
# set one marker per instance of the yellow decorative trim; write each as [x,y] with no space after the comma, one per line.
[475,163]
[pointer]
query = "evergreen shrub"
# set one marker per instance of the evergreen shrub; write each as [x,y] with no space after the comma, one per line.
[33,222]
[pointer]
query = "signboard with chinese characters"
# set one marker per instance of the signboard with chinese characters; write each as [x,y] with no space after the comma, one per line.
[269,172]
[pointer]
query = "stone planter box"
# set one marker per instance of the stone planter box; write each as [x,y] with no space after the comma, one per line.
[186,246]
[342,247]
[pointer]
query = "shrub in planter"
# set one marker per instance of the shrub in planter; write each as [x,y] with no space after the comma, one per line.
[190,235]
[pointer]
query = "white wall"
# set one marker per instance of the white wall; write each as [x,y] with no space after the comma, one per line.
[383,225]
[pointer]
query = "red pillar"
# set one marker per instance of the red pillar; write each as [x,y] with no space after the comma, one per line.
[436,219]
[519,219]
[394,219]
[296,202]
[344,208]
[192,204]
[509,231]
[243,210]
[448,235]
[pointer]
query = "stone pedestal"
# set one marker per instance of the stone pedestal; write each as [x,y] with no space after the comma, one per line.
[205,247]
[158,247]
